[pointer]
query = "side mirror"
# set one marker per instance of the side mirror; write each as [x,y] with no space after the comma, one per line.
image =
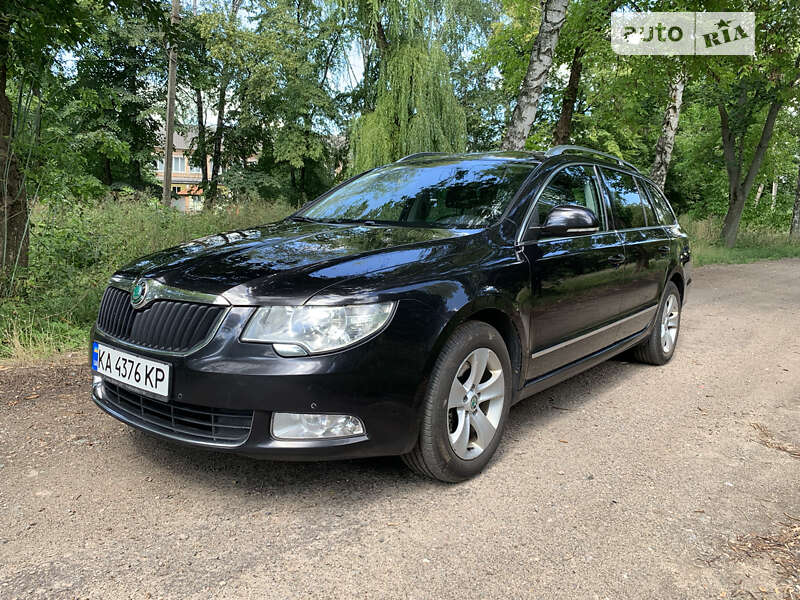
[564,221]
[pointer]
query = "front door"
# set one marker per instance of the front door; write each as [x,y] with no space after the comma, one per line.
[575,281]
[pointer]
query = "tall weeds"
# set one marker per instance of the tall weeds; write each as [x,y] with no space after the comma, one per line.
[74,249]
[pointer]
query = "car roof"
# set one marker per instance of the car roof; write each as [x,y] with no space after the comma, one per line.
[433,158]
[521,157]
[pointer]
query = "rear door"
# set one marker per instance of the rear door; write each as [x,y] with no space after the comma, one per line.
[647,245]
[575,281]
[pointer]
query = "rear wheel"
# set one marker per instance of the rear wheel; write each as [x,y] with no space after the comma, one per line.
[465,405]
[659,346]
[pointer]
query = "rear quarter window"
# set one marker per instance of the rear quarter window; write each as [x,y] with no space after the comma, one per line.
[663,210]
[626,205]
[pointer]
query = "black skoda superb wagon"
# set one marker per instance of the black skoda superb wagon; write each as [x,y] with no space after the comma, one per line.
[403,312]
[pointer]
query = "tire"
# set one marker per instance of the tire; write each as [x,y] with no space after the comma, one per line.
[658,349]
[455,442]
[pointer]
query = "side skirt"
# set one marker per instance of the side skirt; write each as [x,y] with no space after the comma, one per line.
[536,385]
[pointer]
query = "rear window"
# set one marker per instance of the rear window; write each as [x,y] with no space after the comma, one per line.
[626,205]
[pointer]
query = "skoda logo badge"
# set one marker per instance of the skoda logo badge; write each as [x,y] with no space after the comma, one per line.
[139,293]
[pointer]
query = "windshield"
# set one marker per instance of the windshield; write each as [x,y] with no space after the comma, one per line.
[464,194]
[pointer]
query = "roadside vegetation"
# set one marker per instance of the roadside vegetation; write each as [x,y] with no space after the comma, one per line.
[75,249]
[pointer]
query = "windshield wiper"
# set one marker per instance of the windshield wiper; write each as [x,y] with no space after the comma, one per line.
[302,219]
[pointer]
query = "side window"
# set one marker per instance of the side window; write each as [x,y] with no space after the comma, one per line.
[626,205]
[649,213]
[660,204]
[573,185]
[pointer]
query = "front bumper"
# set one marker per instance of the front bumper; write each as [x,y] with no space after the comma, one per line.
[377,381]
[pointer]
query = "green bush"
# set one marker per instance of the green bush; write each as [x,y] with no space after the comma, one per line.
[75,248]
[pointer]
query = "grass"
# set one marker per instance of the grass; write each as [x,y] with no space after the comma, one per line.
[751,245]
[74,250]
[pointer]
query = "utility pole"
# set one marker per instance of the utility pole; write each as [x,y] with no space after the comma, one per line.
[166,194]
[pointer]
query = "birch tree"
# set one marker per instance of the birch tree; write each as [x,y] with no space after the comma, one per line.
[669,127]
[554,13]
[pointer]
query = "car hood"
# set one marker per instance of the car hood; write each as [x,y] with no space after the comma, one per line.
[289,261]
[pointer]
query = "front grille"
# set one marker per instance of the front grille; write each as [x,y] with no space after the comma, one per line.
[166,325]
[215,426]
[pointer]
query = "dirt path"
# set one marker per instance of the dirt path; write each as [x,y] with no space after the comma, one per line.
[625,482]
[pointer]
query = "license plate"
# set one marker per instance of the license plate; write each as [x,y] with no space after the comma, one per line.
[140,373]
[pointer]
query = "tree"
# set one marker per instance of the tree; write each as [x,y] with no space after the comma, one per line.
[564,125]
[553,17]
[750,93]
[226,76]
[119,75]
[30,33]
[415,108]
[669,127]
[585,32]
[31,36]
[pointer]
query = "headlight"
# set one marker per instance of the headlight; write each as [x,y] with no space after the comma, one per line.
[301,330]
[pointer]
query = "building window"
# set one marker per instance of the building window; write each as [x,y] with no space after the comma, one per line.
[160,165]
[194,169]
[179,164]
[176,189]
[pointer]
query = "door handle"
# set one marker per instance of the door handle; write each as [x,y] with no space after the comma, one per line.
[617,259]
[665,250]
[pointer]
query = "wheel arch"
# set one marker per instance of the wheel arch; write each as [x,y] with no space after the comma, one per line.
[501,315]
[676,277]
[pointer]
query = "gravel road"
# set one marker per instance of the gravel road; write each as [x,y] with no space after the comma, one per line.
[628,481]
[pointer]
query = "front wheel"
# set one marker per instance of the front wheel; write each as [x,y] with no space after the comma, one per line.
[659,346]
[465,406]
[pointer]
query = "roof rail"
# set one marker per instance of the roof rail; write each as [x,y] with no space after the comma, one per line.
[558,150]
[420,154]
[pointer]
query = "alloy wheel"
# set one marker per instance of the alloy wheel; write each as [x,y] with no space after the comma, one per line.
[669,323]
[475,404]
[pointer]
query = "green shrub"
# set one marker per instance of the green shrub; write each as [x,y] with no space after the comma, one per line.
[75,248]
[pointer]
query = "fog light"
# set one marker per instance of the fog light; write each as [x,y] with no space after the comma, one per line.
[97,386]
[294,426]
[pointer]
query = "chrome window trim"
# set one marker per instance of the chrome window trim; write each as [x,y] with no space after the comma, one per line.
[527,219]
[594,332]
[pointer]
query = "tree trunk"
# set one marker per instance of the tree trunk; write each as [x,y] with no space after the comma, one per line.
[554,14]
[201,138]
[738,187]
[225,80]
[774,196]
[794,228]
[216,156]
[666,141]
[107,178]
[14,213]
[759,191]
[564,125]
[303,196]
